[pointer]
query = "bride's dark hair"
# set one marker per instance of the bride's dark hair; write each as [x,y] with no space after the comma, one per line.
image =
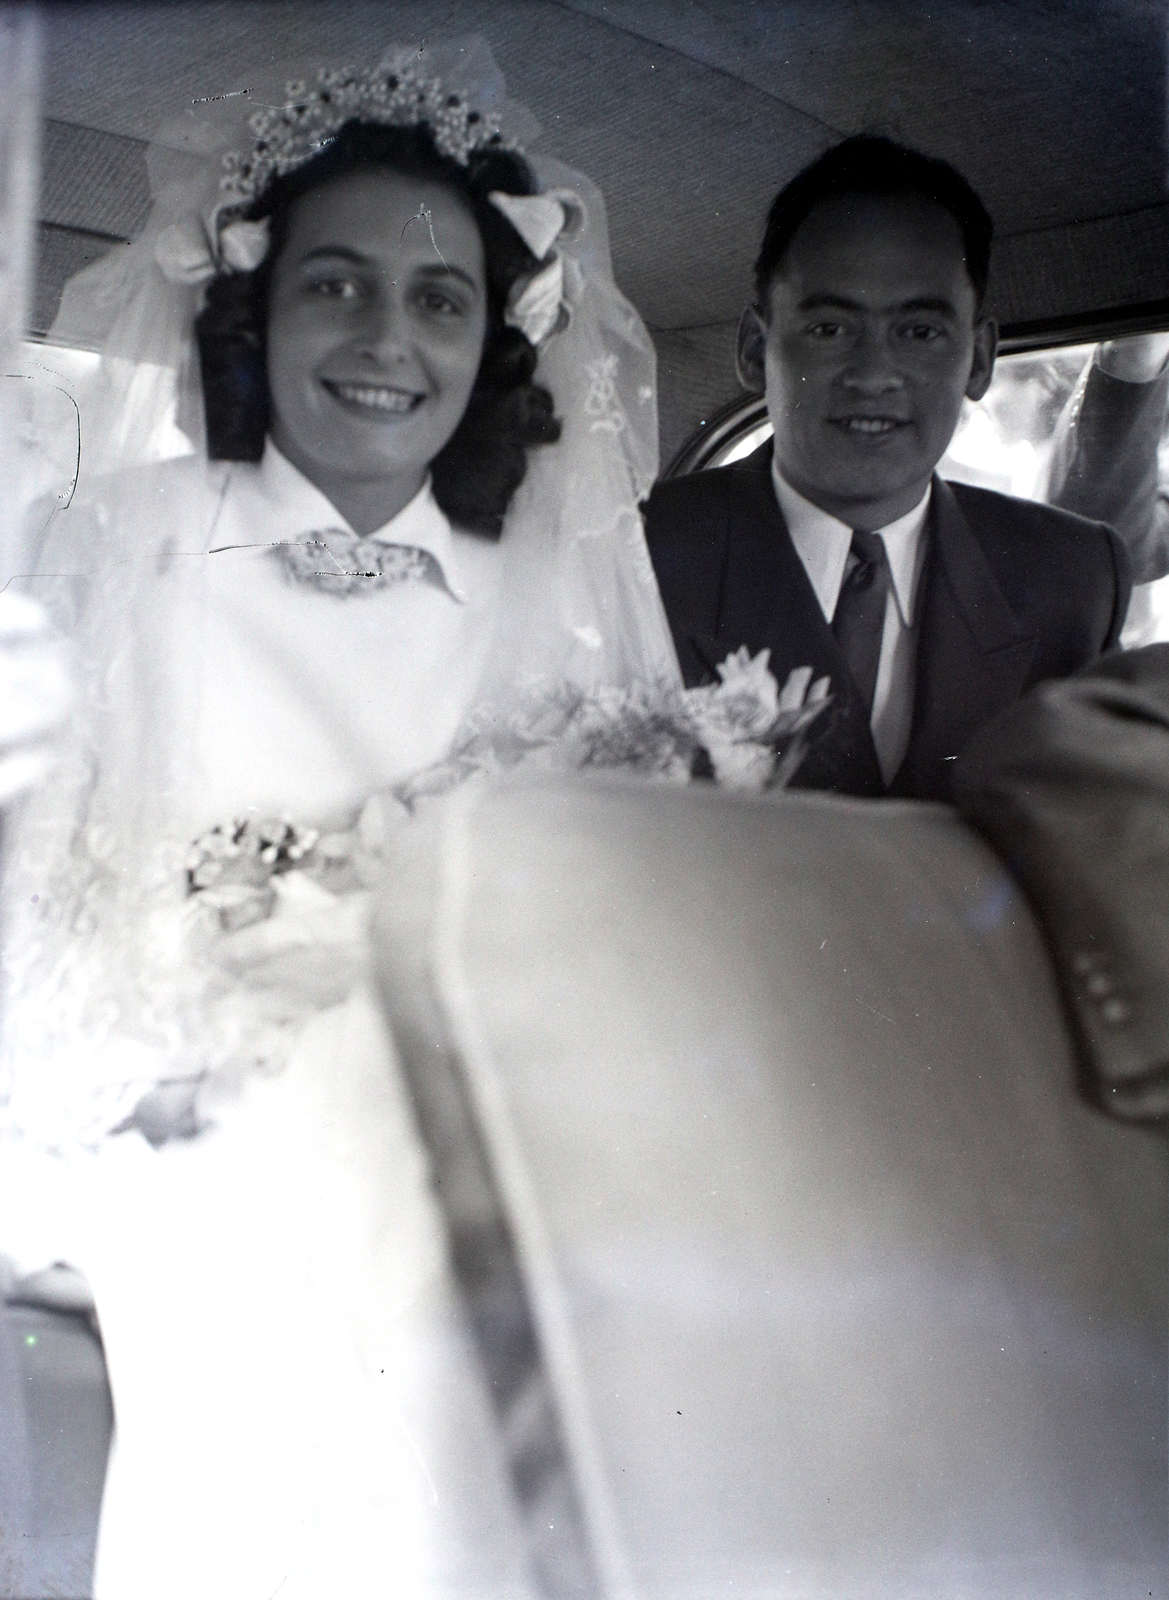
[481,466]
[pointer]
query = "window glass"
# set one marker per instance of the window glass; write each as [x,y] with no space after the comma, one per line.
[1004,440]
[743,445]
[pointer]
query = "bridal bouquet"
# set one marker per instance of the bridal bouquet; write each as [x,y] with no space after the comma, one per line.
[744,731]
[272,925]
[278,910]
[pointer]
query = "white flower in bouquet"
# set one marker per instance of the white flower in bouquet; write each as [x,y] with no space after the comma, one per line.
[744,731]
[752,731]
[745,703]
[742,765]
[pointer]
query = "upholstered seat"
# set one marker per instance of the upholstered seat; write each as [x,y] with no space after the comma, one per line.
[839,1286]
[55,1426]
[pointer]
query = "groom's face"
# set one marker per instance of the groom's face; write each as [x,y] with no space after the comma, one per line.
[872,340]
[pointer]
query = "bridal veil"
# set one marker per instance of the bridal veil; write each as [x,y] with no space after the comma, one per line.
[97,956]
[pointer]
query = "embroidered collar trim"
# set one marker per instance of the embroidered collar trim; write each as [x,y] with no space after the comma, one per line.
[292,503]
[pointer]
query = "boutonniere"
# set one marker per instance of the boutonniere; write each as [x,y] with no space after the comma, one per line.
[754,732]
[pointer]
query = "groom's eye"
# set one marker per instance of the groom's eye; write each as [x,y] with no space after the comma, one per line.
[923,332]
[826,330]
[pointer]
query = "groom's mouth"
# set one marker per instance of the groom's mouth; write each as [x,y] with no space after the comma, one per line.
[861,427]
[374,399]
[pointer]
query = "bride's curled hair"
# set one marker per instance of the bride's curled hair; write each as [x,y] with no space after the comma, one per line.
[478,471]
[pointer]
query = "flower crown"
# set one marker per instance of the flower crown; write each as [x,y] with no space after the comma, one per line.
[395,95]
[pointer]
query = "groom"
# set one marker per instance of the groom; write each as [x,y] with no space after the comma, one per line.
[931,606]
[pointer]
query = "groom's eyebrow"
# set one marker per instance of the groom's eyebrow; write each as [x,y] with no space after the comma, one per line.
[829,302]
[930,303]
[839,302]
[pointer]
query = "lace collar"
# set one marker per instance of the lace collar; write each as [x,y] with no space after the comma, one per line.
[287,500]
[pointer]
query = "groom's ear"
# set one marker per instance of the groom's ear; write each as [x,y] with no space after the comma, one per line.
[986,343]
[749,350]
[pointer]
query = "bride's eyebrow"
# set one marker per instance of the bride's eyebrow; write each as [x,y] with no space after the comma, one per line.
[344,252]
[337,252]
[445,270]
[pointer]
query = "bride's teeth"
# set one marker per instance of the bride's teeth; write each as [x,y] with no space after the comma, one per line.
[379,399]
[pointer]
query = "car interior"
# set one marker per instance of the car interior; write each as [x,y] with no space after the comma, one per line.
[688,118]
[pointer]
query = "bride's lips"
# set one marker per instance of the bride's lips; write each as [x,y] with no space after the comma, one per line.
[373,399]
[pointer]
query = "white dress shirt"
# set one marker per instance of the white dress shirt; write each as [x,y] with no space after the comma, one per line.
[822,543]
[311,700]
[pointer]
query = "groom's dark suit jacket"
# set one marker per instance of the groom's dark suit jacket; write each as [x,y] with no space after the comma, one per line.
[1013,593]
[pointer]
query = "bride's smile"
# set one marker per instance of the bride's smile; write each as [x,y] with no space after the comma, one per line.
[377,320]
[375,397]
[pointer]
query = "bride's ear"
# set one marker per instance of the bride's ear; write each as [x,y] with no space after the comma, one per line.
[751,342]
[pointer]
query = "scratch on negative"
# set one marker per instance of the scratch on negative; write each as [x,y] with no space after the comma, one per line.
[77,463]
[430,35]
[873,1009]
[90,572]
[423,215]
[420,1458]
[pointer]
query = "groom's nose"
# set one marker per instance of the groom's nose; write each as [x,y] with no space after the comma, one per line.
[871,369]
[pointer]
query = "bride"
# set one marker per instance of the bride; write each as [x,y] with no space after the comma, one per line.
[411,512]
[405,546]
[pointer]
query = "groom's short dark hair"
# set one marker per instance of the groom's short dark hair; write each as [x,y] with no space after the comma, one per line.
[871,165]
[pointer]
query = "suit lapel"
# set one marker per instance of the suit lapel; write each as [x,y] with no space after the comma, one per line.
[973,655]
[767,602]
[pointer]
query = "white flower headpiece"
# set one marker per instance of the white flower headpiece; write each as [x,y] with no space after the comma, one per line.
[541,305]
[394,95]
[186,254]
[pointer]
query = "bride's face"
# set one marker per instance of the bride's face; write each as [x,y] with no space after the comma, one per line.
[376,321]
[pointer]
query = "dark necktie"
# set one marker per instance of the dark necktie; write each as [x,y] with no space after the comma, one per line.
[860,611]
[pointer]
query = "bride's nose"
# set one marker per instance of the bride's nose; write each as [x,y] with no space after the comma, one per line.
[383,335]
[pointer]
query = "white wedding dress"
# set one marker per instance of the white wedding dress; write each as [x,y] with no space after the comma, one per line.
[298,1405]
[298,1408]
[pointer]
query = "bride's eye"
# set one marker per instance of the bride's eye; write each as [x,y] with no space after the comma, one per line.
[334,289]
[438,302]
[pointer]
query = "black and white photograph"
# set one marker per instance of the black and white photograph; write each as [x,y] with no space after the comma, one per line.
[584,800]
